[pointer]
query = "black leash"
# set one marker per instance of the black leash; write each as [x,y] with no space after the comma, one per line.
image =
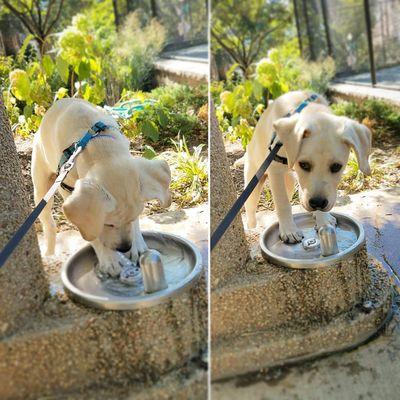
[238,204]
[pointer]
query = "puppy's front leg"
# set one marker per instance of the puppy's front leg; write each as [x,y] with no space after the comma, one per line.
[138,244]
[324,218]
[288,230]
[109,260]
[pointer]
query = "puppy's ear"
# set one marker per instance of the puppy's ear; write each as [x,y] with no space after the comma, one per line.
[359,138]
[87,206]
[290,135]
[154,177]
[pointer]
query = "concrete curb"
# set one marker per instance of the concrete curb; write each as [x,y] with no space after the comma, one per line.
[251,351]
[276,296]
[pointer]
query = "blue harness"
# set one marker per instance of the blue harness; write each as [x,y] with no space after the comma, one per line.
[82,142]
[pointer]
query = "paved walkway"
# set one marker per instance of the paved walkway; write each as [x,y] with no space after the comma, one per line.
[349,91]
[385,76]
[189,65]
[194,53]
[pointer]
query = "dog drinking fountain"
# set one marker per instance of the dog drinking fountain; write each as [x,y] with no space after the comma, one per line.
[171,265]
[319,248]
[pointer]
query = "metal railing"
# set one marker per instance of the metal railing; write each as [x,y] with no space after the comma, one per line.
[362,36]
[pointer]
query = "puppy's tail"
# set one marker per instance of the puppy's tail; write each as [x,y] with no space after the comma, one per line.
[239,162]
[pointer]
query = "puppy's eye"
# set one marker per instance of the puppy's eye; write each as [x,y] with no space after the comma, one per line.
[109,225]
[335,167]
[304,165]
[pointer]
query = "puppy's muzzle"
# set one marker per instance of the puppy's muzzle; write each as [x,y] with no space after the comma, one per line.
[318,203]
[124,247]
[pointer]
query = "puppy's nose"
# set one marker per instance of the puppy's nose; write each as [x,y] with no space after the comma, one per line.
[318,203]
[124,247]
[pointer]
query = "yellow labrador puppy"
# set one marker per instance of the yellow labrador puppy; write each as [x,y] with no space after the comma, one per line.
[110,187]
[316,144]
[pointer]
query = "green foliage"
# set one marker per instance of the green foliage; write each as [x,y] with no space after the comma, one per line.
[81,65]
[245,30]
[174,113]
[190,178]
[181,98]
[137,47]
[6,66]
[380,116]
[240,103]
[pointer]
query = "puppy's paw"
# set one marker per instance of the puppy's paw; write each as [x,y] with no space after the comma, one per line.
[323,218]
[290,234]
[110,264]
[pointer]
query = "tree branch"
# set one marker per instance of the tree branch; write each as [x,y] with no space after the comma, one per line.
[57,17]
[48,12]
[25,21]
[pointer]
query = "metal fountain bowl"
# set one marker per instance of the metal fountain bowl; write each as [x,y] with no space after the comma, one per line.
[349,234]
[182,266]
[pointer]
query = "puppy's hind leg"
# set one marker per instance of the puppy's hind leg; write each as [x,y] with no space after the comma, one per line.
[42,181]
[288,230]
[253,200]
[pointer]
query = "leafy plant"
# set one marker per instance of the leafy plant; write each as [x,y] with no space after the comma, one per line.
[175,112]
[190,182]
[137,46]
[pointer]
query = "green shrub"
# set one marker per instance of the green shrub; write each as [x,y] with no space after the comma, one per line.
[181,98]
[6,66]
[380,116]
[137,46]
[176,112]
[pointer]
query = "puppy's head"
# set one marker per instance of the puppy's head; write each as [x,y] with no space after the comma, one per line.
[317,146]
[104,205]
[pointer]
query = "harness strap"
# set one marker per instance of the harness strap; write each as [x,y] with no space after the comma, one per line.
[91,133]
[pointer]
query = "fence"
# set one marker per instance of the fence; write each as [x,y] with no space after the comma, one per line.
[185,21]
[363,36]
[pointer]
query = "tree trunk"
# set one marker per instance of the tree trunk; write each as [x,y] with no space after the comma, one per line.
[22,281]
[153,6]
[116,14]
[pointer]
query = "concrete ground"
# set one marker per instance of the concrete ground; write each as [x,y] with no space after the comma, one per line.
[368,372]
[195,53]
[356,92]
[385,76]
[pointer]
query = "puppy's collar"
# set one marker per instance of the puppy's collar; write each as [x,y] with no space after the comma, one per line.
[277,158]
[299,108]
[90,134]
